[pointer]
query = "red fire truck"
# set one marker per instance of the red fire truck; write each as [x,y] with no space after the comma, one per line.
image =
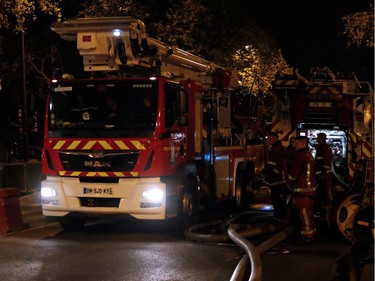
[343,108]
[338,105]
[151,132]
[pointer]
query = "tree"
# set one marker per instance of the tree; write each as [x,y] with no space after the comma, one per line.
[359,28]
[15,14]
[15,18]
[184,25]
[239,42]
[112,8]
[258,67]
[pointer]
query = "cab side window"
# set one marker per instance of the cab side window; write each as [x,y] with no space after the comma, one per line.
[171,93]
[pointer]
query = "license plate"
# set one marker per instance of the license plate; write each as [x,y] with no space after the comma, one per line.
[89,190]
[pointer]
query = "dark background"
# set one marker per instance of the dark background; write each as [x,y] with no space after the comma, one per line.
[310,33]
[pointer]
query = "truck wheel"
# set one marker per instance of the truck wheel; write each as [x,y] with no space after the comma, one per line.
[242,192]
[344,215]
[189,204]
[72,224]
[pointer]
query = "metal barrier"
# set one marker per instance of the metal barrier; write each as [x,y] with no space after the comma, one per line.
[10,210]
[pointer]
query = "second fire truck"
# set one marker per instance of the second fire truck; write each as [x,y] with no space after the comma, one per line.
[338,105]
[151,132]
[342,107]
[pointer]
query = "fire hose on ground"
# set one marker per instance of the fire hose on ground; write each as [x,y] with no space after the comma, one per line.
[253,253]
[238,233]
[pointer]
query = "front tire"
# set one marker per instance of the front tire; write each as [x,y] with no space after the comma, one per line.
[189,203]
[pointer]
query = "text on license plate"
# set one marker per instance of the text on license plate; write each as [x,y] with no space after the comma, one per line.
[89,190]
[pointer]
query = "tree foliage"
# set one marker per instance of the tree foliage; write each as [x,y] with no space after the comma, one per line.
[258,67]
[242,44]
[16,21]
[15,14]
[359,28]
[183,25]
[111,8]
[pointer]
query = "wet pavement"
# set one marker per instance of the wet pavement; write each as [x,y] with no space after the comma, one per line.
[329,257]
[32,211]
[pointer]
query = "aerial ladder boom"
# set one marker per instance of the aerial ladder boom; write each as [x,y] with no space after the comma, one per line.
[115,43]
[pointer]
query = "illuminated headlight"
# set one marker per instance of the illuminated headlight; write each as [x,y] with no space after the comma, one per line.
[47,192]
[154,195]
[116,32]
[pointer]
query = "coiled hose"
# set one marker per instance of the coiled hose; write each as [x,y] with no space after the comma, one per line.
[257,223]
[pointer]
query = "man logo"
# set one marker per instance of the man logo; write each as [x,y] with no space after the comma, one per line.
[97,164]
[96,154]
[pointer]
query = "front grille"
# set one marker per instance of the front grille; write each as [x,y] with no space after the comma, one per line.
[99,179]
[94,202]
[99,162]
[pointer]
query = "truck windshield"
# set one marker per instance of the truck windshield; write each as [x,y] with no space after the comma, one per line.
[103,109]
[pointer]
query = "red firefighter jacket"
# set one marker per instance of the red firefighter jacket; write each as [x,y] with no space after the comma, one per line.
[323,159]
[301,174]
[289,155]
[276,165]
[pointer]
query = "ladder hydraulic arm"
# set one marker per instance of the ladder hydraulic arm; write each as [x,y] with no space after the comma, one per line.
[109,43]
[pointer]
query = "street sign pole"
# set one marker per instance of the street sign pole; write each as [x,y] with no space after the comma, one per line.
[24,109]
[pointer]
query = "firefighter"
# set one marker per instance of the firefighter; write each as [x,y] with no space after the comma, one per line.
[146,115]
[275,176]
[301,184]
[323,175]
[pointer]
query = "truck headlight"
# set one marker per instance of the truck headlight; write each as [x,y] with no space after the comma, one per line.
[154,195]
[47,192]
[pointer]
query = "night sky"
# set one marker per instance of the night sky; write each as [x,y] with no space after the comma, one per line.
[310,33]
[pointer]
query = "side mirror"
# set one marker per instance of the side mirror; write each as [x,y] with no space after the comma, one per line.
[182,108]
[182,102]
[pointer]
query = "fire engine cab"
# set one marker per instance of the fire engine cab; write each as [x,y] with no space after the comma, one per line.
[151,132]
[338,105]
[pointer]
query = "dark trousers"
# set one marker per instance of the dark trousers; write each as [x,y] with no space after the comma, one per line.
[323,199]
[278,197]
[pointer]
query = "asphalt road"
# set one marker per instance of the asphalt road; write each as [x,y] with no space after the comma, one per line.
[327,258]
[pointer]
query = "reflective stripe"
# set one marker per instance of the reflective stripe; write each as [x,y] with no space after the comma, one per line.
[306,189]
[308,177]
[328,171]
[327,167]
[307,225]
[271,163]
